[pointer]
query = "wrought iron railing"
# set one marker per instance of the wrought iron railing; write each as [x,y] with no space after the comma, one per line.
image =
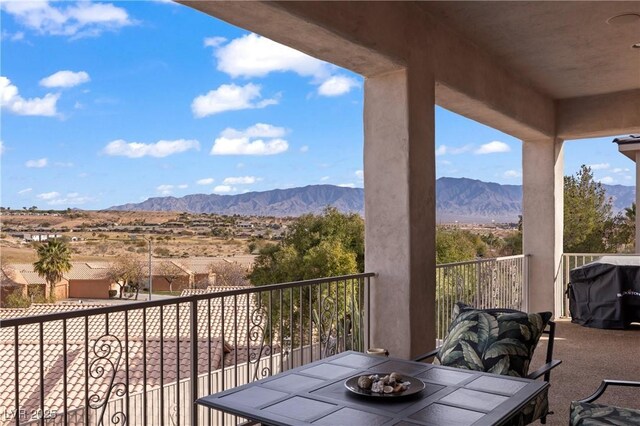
[570,261]
[485,283]
[135,363]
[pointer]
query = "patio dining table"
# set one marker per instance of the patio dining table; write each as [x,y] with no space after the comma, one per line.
[315,394]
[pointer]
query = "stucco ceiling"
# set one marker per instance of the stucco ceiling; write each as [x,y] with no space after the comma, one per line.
[566,49]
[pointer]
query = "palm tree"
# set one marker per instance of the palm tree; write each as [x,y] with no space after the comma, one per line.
[54,259]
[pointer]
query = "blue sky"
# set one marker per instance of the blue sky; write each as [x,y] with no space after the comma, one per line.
[105,103]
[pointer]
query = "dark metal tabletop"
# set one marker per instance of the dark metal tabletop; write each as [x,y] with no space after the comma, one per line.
[315,394]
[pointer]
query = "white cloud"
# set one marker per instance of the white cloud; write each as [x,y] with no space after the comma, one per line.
[165,189]
[444,149]
[48,195]
[620,170]
[17,36]
[65,79]
[72,198]
[304,148]
[37,164]
[168,189]
[11,100]
[325,178]
[63,164]
[359,174]
[337,85]
[512,174]
[241,180]
[81,19]
[1,147]
[159,149]
[445,162]
[230,97]
[258,130]
[607,180]
[214,41]
[599,166]
[223,189]
[493,147]
[205,181]
[243,142]
[24,191]
[256,56]
[347,185]
[243,146]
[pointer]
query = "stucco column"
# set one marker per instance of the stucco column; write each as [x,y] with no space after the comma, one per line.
[399,170]
[637,241]
[543,209]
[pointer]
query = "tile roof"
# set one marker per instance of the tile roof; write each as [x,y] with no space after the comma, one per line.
[87,271]
[112,337]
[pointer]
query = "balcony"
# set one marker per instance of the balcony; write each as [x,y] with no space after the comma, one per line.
[133,363]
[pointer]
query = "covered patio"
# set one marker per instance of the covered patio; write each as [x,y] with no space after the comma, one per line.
[544,72]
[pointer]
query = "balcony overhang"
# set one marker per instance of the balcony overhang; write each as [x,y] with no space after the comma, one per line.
[531,69]
[629,146]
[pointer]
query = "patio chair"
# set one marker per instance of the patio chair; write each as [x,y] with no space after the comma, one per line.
[583,412]
[500,341]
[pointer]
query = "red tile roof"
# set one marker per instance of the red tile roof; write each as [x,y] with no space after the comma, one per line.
[173,334]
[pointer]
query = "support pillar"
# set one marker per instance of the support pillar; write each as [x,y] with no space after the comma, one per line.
[399,171]
[637,241]
[542,221]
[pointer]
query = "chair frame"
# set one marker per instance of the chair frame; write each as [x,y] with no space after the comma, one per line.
[606,383]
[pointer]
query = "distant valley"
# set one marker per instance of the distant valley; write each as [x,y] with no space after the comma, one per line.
[458,199]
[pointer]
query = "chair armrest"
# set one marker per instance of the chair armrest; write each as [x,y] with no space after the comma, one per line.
[424,356]
[545,369]
[603,386]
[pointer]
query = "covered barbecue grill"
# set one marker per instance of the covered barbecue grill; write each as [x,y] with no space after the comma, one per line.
[606,292]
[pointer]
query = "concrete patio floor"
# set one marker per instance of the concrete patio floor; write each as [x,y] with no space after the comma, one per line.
[589,355]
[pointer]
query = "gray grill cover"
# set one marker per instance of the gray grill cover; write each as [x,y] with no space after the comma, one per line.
[606,293]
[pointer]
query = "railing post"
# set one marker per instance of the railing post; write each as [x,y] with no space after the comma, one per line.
[193,331]
[525,283]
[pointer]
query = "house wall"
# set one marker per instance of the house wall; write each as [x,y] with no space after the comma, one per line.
[89,289]
[61,290]
[162,284]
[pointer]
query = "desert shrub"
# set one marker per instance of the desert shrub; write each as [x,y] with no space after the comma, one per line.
[17,300]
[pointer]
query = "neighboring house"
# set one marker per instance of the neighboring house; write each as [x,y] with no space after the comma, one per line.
[88,280]
[219,344]
[35,284]
[10,282]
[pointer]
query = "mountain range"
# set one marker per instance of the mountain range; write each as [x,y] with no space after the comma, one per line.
[457,199]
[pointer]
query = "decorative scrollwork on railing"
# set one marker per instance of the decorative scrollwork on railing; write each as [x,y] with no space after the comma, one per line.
[103,369]
[257,340]
[327,316]
[173,414]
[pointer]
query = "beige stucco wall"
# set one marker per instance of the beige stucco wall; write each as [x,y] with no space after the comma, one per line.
[89,289]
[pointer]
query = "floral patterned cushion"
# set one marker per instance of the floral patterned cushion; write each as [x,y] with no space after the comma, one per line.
[588,414]
[492,341]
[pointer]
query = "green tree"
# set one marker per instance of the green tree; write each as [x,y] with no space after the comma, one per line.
[622,234]
[587,214]
[127,272]
[54,259]
[315,246]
